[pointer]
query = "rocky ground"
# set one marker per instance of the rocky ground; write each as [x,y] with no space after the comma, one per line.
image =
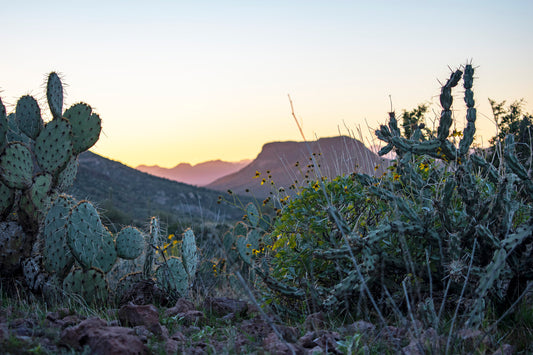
[222,326]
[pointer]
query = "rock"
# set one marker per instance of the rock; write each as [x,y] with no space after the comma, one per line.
[191,317]
[362,326]
[255,327]
[179,337]
[142,332]
[221,306]
[326,340]
[146,315]
[182,306]
[273,344]
[172,346]
[315,321]
[101,339]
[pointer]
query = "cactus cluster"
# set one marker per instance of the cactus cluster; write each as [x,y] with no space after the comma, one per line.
[177,273]
[58,243]
[443,221]
[38,160]
[78,251]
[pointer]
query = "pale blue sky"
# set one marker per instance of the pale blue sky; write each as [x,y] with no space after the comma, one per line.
[189,81]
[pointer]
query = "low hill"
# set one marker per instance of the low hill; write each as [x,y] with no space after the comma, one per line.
[198,175]
[289,163]
[131,196]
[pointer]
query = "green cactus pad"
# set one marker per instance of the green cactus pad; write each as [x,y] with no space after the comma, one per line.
[66,177]
[129,243]
[189,253]
[16,166]
[28,115]
[53,146]
[90,242]
[90,284]
[86,126]
[40,191]
[7,197]
[172,276]
[228,240]
[57,257]
[54,95]
[253,214]
[249,245]
[240,229]
[3,125]
[14,134]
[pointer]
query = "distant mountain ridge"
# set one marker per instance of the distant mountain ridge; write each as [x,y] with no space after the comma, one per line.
[111,184]
[199,175]
[290,163]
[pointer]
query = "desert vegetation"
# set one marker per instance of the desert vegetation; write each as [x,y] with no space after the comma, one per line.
[431,256]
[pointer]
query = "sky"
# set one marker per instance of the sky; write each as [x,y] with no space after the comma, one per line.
[191,81]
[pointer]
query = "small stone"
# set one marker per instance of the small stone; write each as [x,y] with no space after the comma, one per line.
[134,315]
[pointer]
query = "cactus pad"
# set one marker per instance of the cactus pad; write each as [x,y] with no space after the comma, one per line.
[66,177]
[3,125]
[129,243]
[90,242]
[54,95]
[240,229]
[7,196]
[53,147]
[253,214]
[16,166]
[90,284]
[37,199]
[173,277]
[57,257]
[249,245]
[28,116]
[189,253]
[86,126]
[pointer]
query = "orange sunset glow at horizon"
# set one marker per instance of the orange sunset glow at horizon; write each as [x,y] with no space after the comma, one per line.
[197,81]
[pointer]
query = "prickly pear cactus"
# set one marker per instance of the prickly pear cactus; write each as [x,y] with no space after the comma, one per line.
[129,243]
[7,198]
[57,257]
[249,245]
[16,166]
[54,95]
[89,240]
[90,284]
[252,214]
[86,126]
[53,146]
[173,277]
[3,126]
[28,116]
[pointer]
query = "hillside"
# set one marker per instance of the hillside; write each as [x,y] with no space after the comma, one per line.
[128,194]
[198,175]
[290,162]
